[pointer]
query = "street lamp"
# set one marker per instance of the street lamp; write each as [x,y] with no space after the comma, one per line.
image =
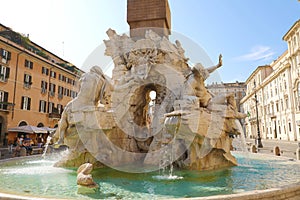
[258,139]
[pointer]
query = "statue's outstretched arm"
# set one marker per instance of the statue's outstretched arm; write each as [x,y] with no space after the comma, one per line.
[213,68]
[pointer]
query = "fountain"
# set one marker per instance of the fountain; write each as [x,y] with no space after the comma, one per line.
[174,145]
[107,123]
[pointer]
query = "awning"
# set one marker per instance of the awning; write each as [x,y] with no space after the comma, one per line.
[28,129]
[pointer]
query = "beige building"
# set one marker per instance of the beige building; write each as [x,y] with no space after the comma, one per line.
[277,87]
[35,84]
[223,89]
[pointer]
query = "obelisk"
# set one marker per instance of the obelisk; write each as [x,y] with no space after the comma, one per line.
[148,14]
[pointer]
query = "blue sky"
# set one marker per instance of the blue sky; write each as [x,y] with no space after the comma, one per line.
[247,32]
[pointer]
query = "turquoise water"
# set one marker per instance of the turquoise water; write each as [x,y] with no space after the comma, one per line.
[38,177]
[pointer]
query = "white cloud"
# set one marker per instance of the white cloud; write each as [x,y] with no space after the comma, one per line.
[257,53]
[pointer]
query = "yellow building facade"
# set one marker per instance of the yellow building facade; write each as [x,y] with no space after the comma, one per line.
[35,84]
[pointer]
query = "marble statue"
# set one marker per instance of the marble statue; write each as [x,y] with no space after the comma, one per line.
[92,88]
[85,180]
[91,97]
[186,119]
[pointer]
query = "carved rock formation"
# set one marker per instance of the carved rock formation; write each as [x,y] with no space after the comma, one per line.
[85,180]
[184,119]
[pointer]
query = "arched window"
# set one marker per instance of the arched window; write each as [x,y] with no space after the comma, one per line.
[22,123]
[40,125]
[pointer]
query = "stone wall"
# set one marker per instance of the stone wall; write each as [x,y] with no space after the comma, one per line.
[289,192]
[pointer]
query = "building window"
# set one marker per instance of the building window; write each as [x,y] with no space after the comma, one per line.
[28,64]
[27,80]
[53,74]
[25,104]
[67,92]
[73,94]
[61,77]
[52,89]
[290,127]
[59,108]
[298,97]
[45,71]
[50,107]
[4,73]
[285,86]
[44,85]
[60,92]
[42,107]
[3,100]
[6,55]
[287,103]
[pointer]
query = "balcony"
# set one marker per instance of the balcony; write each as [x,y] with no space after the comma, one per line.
[43,90]
[60,96]
[6,106]
[54,115]
[3,78]
[272,115]
[252,119]
[27,85]
[51,94]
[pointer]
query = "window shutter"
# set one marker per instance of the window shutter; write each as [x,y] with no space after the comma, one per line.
[22,103]
[24,78]
[46,84]
[5,99]
[1,52]
[29,102]
[42,84]
[30,79]
[9,56]
[7,72]
[26,63]
[40,106]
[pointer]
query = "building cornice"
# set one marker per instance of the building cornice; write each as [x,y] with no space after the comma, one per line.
[267,80]
[256,71]
[291,30]
[20,48]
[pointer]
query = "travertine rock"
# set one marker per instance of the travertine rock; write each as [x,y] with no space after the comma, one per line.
[184,120]
[85,180]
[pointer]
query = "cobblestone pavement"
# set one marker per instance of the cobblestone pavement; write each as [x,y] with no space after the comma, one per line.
[287,148]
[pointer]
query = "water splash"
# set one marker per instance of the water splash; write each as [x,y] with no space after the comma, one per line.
[46,146]
[240,141]
[166,165]
[167,177]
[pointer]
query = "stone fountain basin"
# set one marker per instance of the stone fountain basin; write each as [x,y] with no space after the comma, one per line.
[258,176]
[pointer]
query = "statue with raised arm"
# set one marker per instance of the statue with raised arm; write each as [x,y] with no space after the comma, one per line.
[195,82]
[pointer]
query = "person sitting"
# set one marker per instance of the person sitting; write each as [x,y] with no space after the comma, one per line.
[40,141]
[27,146]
